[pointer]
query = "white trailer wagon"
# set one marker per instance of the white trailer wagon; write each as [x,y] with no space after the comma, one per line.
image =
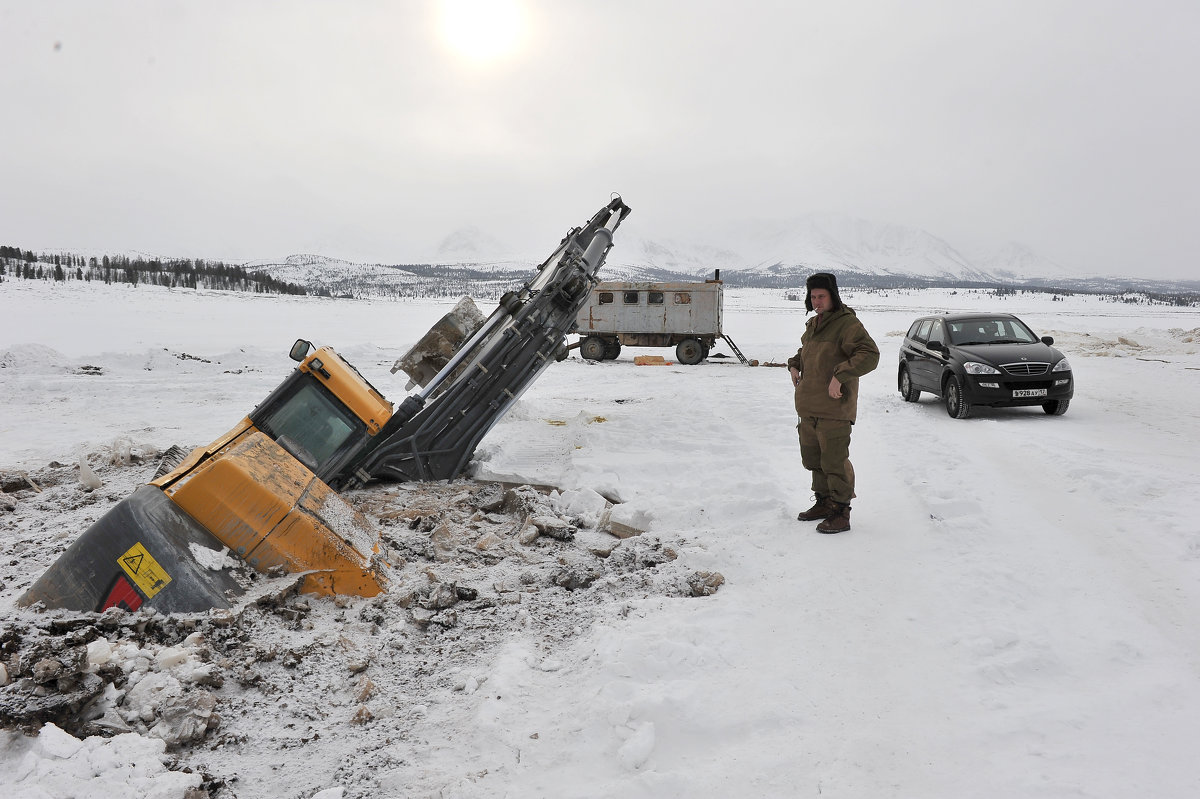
[686,316]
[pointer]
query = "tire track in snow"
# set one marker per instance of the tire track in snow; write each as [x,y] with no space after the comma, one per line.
[1094,498]
[1069,633]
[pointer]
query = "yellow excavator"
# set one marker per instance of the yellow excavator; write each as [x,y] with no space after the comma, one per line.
[266,491]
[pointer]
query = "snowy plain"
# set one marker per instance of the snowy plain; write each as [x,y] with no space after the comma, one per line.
[1013,613]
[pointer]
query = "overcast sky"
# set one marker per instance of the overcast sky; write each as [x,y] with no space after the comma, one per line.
[371,130]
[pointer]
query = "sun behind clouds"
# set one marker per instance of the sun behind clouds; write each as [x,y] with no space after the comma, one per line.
[482,31]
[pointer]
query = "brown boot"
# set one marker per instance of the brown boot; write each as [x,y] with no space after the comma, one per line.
[838,521]
[821,509]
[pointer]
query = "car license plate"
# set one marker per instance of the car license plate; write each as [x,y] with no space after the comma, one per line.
[1029,392]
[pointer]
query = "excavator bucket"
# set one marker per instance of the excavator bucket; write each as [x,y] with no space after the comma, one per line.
[435,349]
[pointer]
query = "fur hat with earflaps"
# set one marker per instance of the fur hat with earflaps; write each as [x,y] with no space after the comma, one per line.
[822,280]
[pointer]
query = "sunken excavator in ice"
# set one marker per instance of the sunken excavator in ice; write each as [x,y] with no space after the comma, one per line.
[267,489]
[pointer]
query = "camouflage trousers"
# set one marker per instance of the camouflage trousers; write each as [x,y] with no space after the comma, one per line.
[825,451]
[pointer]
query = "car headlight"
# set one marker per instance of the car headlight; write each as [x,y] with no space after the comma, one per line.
[1062,366]
[973,368]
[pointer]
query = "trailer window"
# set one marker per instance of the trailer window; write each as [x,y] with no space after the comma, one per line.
[631,298]
[683,297]
[606,297]
[655,298]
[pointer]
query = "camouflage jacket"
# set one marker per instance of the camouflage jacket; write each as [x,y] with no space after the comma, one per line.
[834,344]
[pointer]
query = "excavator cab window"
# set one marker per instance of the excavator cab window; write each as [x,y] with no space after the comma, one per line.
[312,425]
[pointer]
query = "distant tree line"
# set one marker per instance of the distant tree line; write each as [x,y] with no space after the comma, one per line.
[1155,298]
[173,273]
[362,288]
[417,281]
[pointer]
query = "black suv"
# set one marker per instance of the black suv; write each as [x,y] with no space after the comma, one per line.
[983,359]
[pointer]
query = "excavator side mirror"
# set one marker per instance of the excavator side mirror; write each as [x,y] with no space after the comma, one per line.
[300,350]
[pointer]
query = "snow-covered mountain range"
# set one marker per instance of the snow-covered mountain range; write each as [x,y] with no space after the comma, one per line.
[757,253]
[844,244]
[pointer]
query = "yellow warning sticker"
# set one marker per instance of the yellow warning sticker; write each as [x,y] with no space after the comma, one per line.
[144,570]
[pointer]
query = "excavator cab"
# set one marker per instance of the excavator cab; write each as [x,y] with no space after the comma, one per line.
[312,424]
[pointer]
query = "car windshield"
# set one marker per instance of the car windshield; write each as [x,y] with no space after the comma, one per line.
[1001,330]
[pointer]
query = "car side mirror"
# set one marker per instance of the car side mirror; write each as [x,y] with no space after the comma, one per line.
[1047,340]
[300,350]
[937,345]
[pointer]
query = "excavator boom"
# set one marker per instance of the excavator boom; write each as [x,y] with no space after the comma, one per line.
[433,433]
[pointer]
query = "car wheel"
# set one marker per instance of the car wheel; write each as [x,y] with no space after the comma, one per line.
[592,348]
[690,352]
[956,403]
[1056,407]
[907,390]
[611,350]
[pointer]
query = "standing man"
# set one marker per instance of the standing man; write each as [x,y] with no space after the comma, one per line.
[835,351]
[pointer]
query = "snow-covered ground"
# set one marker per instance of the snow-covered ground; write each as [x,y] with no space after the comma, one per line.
[1013,613]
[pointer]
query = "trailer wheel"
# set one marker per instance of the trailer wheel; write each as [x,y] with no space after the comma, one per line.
[592,348]
[611,350]
[689,351]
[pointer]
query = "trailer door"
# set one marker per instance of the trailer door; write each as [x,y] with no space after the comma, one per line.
[682,312]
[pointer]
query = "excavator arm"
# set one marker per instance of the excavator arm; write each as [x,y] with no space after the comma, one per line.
[434,432]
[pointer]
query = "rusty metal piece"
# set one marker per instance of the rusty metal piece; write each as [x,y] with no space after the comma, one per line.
[435,349]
